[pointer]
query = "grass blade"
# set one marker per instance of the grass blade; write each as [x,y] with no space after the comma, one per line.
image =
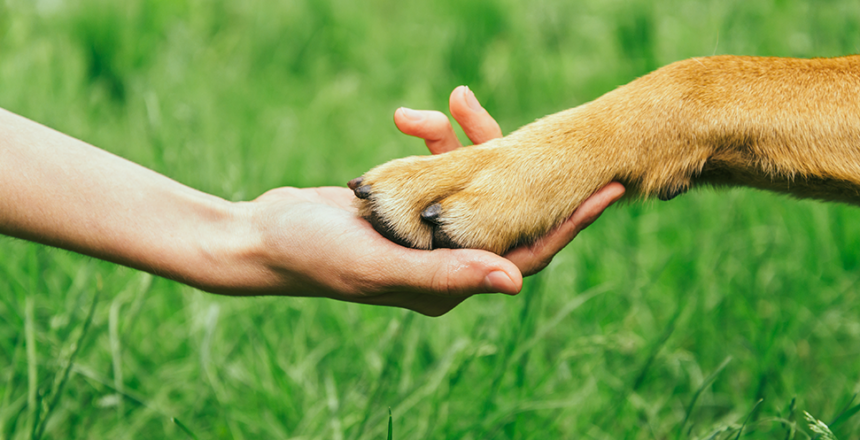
[116,348]
[390,425]
[706,383]
[32,367]
[530,293]
[58,391]
[10,385]
[183,428]
[655,350]
[847,414]
[752,411]
[792,425]
[380,383]
[621,398]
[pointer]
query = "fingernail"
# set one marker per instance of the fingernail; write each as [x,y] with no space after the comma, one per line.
[472,101]
[498,281]
[411,114]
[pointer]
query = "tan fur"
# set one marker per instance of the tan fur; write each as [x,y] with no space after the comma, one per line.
[787,125]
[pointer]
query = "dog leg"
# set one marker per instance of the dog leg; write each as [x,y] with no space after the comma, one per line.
[787,125]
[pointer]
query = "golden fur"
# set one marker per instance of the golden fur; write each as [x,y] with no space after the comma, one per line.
[787,125]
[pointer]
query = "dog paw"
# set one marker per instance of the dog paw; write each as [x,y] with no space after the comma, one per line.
[494,196]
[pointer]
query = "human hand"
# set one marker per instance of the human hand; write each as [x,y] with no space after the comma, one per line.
[314,244]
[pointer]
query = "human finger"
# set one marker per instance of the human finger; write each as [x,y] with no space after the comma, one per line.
[432,126]
[447,273]
[478,125]
[536,256]
[594,205]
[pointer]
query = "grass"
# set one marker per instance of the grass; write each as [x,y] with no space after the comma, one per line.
[626,335]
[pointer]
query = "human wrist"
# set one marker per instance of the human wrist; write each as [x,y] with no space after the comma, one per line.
[228,252]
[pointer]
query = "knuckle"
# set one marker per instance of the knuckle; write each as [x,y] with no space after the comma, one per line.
[441,280]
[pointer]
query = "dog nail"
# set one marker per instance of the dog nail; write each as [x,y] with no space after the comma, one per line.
[432,213]
[362,192]
[353,184]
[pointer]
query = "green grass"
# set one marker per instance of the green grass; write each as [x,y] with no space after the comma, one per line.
[663,320]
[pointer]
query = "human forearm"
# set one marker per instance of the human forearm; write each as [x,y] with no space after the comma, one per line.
[60,191]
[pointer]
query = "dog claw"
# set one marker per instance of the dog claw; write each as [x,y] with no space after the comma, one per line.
[354,183]
[432,213]
[362,192]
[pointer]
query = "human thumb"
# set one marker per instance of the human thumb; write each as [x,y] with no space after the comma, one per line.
[457,272]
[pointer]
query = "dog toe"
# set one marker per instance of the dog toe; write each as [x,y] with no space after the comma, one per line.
[386,230]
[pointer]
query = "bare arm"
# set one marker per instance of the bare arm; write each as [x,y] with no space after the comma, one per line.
[60,191]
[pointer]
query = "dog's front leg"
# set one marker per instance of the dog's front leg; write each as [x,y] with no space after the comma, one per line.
[787,125]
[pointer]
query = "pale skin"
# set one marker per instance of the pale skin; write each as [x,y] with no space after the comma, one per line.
[62,192]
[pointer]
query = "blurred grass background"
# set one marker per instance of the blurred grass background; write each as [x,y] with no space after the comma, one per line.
[663,320]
